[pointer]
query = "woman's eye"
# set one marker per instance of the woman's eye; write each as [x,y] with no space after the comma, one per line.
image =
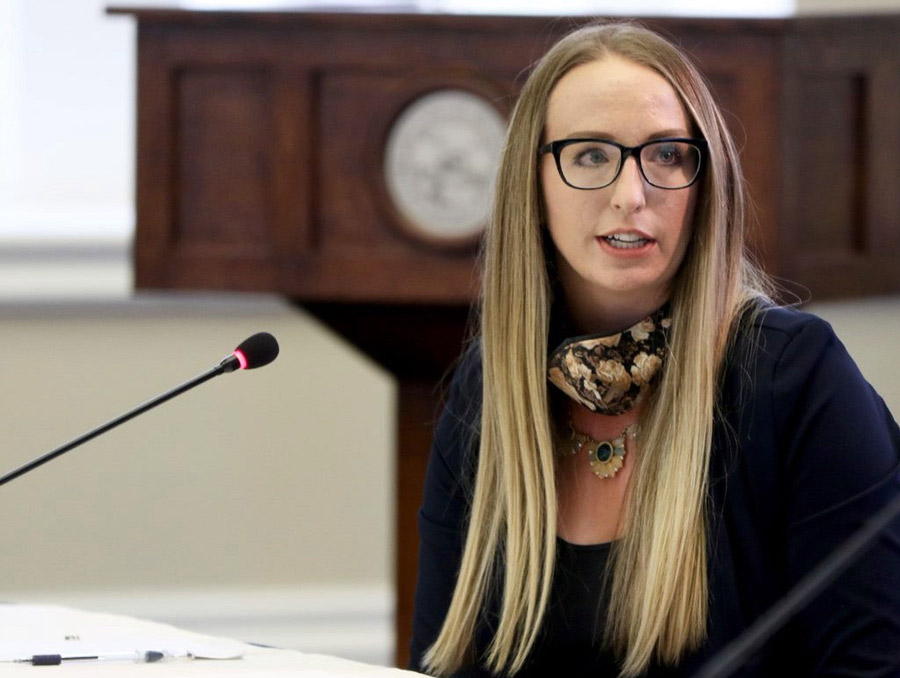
[591,157]
[666,154]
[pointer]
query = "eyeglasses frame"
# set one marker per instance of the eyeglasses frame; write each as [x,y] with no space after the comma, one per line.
[555,147]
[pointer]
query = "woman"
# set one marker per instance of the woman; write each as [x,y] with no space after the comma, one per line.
[640,454]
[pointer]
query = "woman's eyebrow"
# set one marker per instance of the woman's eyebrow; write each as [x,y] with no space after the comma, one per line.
[597,134]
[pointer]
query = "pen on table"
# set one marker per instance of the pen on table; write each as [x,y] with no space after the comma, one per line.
[138,656]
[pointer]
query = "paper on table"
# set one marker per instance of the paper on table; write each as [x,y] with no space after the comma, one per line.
[27,630]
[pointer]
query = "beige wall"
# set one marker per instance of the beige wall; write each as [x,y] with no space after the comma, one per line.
[846,6]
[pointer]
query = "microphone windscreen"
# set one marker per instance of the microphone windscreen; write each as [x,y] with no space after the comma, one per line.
[256,351]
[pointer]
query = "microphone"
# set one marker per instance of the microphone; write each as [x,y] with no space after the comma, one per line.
[255,351]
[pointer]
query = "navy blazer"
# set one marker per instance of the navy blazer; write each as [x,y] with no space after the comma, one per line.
[804,451]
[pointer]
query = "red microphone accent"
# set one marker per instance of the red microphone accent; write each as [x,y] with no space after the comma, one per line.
[242,359]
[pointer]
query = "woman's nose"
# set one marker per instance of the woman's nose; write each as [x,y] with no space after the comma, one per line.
[628,190]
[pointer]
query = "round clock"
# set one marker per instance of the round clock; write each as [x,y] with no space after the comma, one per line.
[439,164]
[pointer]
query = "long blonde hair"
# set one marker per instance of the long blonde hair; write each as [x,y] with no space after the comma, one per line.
[658,609]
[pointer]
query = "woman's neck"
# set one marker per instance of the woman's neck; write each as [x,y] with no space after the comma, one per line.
[608,316]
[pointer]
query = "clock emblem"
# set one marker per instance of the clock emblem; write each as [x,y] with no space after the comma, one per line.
[440,161]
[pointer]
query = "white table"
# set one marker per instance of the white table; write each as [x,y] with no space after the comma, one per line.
[27,630]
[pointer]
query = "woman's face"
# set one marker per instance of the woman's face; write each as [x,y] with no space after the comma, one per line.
[618,246]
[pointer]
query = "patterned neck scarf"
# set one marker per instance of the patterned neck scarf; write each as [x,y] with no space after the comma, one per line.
[611,374]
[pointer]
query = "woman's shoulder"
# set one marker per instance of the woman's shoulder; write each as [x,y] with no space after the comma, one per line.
[786,321]
[806,386]
[788,358]
[768,333]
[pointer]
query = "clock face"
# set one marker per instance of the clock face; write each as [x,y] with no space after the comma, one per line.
[441,158]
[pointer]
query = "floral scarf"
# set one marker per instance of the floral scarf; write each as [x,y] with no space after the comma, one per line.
[611,374]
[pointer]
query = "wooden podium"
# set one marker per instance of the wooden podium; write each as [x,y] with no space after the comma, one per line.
[263,164]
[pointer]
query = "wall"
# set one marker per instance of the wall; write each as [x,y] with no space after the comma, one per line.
[846,6]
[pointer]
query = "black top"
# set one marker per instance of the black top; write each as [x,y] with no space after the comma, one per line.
[804,451]
[575,619]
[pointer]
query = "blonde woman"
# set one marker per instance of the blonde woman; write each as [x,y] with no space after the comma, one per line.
[640,453]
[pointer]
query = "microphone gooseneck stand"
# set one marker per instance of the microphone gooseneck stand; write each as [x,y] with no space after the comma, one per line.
[90,435]
[255,351]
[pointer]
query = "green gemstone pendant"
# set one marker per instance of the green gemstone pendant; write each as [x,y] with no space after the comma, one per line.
[605,456]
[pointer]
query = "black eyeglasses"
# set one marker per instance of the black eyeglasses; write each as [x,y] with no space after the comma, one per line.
[588,164]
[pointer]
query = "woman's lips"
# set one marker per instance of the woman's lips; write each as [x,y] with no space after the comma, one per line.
[625,242]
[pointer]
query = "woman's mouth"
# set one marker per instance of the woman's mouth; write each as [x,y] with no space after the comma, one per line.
[625,241]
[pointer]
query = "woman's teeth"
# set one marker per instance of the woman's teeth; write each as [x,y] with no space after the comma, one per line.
[626,241]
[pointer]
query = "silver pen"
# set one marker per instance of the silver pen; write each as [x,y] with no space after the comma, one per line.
[138,656]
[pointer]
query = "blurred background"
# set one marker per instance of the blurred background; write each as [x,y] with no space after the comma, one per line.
[260,505]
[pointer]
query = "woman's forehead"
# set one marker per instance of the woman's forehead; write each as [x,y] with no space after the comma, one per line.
[614,95]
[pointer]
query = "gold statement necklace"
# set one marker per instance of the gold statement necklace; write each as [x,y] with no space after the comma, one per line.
[606,457]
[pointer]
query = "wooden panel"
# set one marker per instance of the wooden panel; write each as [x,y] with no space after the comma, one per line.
[882,169]
[830,158]
[841,172]
[294,189]
[224,157]
[155,162]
